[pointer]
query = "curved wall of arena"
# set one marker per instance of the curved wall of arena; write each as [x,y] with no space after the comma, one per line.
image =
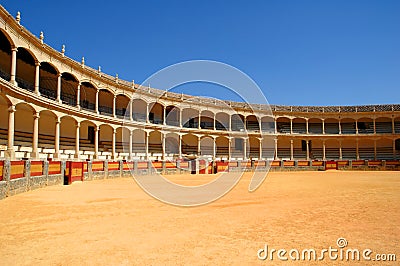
[53,108]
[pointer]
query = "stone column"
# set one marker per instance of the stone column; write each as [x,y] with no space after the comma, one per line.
[130,110]
[37,78]
[229,148]
[214,148]
[308,149]
[340,150]
[97,101]
[375,149]
[180,117]
[291,126]
[374,125]
[35,139]
[394,149]
[291,150]
[261,153]
[57,140]
[230,123]
[180,146]
[59,79]
[276,149]
[13,72]
[244,148]
[199,120]
[114,133]
[147,113]
[96,142]
[198,145]
[323,126]
[147,144]
[163,145]
[323,150]
[130,144]
[215,123]
[78,96]
[357,153]
[78,125]
[114,106]
[10,153]
[340,127]
[164,115]
[307,125]
[393,129]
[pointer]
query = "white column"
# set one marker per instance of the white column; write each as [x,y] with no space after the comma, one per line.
[323,126]
[147,144]
[356,127]
[199,120]
[260,156]
[375,149]
[244,148]
[147,113]
[163,145]
[164,115]
[374,125]
[340,128]
[78,96]
[276,126]
[97,101]
[57,139]
[59,79]
[10,144]
[96,142]
[276,149]
[180,117]
[229,148]
[13,72]
[37,77]
[35,139]
[114,133]
[394,149]
[308,149]
[198,145]
[340,150]
[180,146]
[78,125]
[393,130]
[114,106]
[230,122]
[357,153]
[291,150]
[291,126]
[307,125]
[323,150]
[130,144]
[214,148]
[215,128]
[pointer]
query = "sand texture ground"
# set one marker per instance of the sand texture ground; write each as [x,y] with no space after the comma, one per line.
[113,222]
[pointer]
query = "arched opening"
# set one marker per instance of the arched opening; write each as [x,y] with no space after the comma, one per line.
[331,126]
[349,149]
[171,145]
[252,123]
[237,122]
[4,105]
[316,150]
[207,120]
[105,139]
[366,149]
[23,128]
[156,113]
[139,142]
[5,56]
[365,126]
[237,148]
[207,146]
[189,144]
[332,149]
[122,105]
[314,126]
[139,110]
[68,135]
[155,146]
[383,125]
[397,125]
[48,80]
[222,121]
[25,74]
[348,126]
[283,125]
[106,99]
[284,149]
[69,86]
[254,148]
[222,144]
[172,115]
[88,96]
[299,126]
[122,142]
[190,118]
[300,149]
[397,149]
[87,138]
[267,124]
[268,147]
[47,130]
[384,149]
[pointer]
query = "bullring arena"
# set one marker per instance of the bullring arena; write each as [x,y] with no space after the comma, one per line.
[333,168]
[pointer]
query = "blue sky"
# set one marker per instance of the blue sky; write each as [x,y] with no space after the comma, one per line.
[298,52]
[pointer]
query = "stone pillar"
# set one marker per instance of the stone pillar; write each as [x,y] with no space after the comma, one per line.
[96,142]
[229,148]
[164,115]
[130,144]
[147,144]
[374,125]
[356,127]
[198,145]
[78,96]
[180,117]
[215,123]
[261,153]
[130,110]
[180,146]
[13,72]
[323,126]
[244,148]
[291,150]
[340,150]
[393,128]
[375,155]
[308,149]
[199,120]
[76,156]
[37,78]
[114,133]
[323,150]
[214,148]
[10,153]
[307,125]
[97,101]
[147,113]
[57,140]
[276,149]
[276,126]
[291,126]
[340,128]
[163,144]
[357,153]
[35,139]
[114,106]
[230,122]
[394,149]
[59,79]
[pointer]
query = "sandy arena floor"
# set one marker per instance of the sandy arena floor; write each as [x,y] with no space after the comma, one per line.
[113,222]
